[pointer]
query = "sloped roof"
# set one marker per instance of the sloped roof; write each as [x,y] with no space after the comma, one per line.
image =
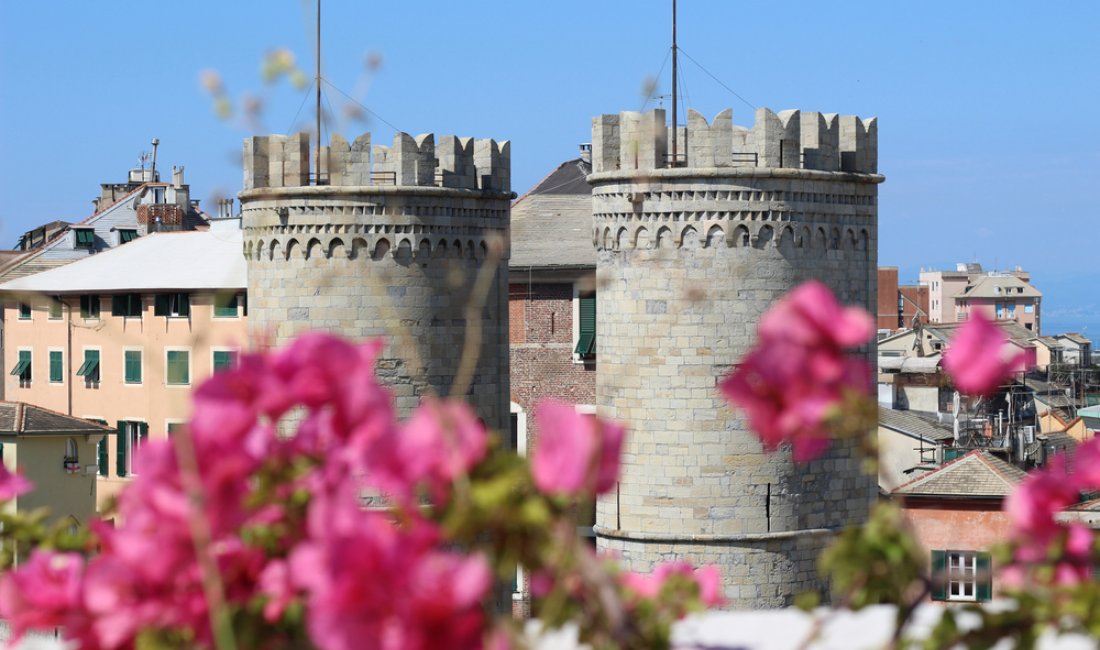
[24,419]
[914,425]
[998,286]
[1075,337]
[924,365]
[169,260]
[978,474]
[1015,332]
[552,222]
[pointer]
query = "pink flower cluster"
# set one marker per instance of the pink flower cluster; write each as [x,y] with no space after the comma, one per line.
[1036,534]
[365,580]
[649,586]
[232,520]
[576,453]
[978,358]
[799,373]
[12,484]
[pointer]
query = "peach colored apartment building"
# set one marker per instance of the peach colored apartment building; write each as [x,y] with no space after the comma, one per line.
[123,336]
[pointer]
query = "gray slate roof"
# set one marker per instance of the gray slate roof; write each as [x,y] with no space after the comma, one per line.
[552,222]
[22,419]
[1000,286]
[915,425]
[979,474]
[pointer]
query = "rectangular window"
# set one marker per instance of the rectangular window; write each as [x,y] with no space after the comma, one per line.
[24,311]
[1000,310]
[131,436]
[173,428]
[1029,309]
[127,305]
[57,369]
[85,237]
[225,305]
[126,235]
[224,359]
[89,370]
[22,369]
[962,576]
[55,308]
[586,330]
[178,364]
[132,364]
[173,305]
[89,306]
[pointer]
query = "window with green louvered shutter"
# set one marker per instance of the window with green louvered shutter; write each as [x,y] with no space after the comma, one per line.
[126,304]
[101,455]
[984,577]
[178,367]
[939,575]
[224,359]
[57,371]
[132,363]
[120,448]
[586,336]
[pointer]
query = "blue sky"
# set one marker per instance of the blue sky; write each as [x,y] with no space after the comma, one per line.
[986,127]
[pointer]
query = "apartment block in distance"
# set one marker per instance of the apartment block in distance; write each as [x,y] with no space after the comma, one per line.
[122,337]
[1000,295]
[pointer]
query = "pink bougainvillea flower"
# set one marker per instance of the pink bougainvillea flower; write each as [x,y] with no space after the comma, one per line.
[978,359]
[12,484]
[798,375]
[707,579]
[575,452]
[440,442]
[811,316]
[44,592]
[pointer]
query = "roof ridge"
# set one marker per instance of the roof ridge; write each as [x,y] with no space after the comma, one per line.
[987,459]
[938,469]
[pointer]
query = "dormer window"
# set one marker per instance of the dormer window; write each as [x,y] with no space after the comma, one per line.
[85,237]
[126,235]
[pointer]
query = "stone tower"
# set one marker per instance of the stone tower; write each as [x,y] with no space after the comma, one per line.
[387,244]
[688,257]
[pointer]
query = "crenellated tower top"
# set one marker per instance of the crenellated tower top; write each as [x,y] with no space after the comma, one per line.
[788,139]
[273,161]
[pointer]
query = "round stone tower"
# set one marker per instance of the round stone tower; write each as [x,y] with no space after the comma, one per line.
[387,244]
[690,252]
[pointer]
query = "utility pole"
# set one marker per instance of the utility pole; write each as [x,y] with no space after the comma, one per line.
[675,152]
[317,82]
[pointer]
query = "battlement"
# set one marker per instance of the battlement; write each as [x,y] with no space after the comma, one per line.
[421,161]
[792,139]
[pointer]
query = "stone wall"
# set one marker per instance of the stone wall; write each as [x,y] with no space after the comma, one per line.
[687,261]
[381,260]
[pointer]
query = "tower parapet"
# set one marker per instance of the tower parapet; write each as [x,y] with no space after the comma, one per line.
[789,139]
[689,253]
[460,163]
[386,245]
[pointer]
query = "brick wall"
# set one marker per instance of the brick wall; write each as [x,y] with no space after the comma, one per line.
[541,344]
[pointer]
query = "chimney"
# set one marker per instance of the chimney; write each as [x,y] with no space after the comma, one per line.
[177,176]
[586,152]
[153,171]
[95,205]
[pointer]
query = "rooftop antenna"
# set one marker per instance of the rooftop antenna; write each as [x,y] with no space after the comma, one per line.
[317,82]
[675,157]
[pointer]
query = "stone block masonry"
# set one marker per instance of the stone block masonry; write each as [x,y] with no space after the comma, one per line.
[688,258]
[387,246]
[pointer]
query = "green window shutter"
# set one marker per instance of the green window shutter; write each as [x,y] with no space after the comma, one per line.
[24,311]
[586,340]
[984,577]
[122,443]
[57,373]
[179,371]
[939,575]
[143,432]
[101,454]
[160,304]
[55,307]
[125,235]
[184,307]
[119,305]
[132,362]
[244,303]
[222,359]
[225,306]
